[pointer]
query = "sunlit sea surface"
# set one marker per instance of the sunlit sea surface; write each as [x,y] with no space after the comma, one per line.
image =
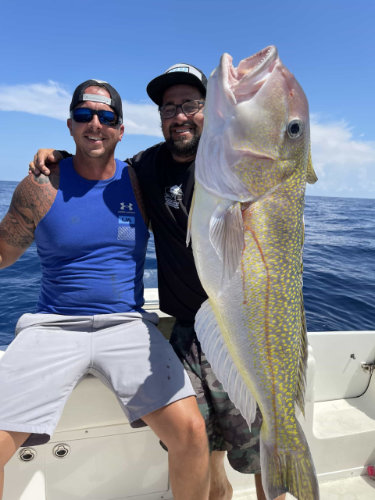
[339,267]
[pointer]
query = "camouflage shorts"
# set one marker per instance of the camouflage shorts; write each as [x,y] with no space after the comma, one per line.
[227,430]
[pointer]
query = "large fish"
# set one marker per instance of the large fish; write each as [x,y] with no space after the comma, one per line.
[246,227]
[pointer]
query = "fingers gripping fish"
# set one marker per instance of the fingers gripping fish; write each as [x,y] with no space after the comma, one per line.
[246,226]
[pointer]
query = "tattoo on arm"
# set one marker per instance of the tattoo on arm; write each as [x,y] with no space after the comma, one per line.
[15,231]
[41,179]
[31,201]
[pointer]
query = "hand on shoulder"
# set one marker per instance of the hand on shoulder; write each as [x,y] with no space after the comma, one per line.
[42,158]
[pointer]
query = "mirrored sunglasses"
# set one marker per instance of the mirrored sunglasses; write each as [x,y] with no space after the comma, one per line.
[85,115]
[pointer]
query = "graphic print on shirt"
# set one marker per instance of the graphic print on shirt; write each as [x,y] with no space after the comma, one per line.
[126,221]
[173,196]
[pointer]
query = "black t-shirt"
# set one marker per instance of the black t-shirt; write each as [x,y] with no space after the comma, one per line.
[167,187]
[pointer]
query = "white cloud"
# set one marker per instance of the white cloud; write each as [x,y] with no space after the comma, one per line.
[345,166]
[52,100]
[334,143]
[49,99]
[141,119]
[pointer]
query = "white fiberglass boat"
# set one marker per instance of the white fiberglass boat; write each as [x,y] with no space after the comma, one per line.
[96,455]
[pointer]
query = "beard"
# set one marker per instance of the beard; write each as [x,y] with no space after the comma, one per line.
[183,149]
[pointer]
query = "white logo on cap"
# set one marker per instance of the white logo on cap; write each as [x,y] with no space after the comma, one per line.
[97,98]
[179,68]
[186,69]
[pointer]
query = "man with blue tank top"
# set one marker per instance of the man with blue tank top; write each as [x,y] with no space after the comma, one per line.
[91,234]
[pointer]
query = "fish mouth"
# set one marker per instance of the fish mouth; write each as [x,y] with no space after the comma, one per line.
[243,82]
[258,63]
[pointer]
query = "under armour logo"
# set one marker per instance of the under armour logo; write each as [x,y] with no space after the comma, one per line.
[126,206]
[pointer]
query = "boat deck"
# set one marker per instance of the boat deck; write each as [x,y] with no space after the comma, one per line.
[338,488]
[354,488]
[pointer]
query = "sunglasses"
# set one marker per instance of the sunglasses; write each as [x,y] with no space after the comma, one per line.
[85,115]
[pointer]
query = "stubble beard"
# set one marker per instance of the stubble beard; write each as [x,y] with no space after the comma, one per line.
[183,149]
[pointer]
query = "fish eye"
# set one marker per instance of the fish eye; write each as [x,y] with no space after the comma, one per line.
[295,129]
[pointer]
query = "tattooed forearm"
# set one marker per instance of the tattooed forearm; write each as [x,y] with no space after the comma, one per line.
[14,233]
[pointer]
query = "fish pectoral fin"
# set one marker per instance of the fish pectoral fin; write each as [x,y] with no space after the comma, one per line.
[311,176]
[226,235]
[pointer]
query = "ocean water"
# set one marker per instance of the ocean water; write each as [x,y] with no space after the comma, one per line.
[339,267]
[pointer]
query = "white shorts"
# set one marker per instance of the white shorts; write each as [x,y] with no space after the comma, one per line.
[51,353]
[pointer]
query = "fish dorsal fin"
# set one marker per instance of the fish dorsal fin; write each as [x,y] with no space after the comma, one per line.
[227,236]
[216,350]
[311,176]
[302,363]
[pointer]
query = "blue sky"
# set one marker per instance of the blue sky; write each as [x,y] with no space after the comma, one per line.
[47,48]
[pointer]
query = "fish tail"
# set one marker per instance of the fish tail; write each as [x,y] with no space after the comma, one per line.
[288,471]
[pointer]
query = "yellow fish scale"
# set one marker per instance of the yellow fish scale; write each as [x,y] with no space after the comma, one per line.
[271,267]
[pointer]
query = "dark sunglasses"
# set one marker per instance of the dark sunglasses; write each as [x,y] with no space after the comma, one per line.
[85,115]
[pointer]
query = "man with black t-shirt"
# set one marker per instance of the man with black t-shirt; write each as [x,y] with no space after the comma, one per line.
[166,176]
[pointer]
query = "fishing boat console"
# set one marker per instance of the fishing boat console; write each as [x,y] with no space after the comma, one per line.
[96,455]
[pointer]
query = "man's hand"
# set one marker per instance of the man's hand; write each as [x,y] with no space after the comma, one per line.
[43,157]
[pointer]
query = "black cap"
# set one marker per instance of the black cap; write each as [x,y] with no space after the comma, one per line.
[115,100]
[180,73]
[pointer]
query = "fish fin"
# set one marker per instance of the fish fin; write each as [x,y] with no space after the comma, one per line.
[188,234]
[311,176]
[216,350]
[302,363]
[227,236]
[290,470]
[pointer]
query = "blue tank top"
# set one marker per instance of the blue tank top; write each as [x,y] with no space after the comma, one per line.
[92,246]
